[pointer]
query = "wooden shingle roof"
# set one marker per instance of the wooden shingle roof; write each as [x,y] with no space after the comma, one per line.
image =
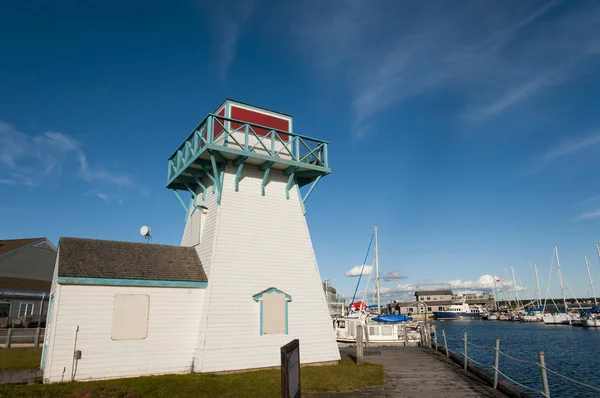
[90,258]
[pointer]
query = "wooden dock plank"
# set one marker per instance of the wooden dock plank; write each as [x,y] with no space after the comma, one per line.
[417,372]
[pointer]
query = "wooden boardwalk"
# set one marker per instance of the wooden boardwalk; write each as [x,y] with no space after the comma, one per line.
[419,372]
[20,376]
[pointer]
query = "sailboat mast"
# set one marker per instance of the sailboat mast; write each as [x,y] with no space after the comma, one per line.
[587,264]
[377,270]
[537,283]
[495,297]
[515,285]
[560,279]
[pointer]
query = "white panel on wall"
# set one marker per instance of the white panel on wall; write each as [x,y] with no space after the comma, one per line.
[130,317]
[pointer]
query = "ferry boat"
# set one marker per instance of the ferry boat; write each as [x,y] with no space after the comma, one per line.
[460,311]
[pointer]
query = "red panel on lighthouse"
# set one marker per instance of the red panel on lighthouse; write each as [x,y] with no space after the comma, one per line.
[260,118]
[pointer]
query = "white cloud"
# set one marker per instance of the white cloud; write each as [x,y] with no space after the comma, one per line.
[589,215]
[7,182]
[564,149]
[385,54]
[356,271]
[30,159]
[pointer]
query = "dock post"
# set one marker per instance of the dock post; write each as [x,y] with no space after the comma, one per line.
[36,341]
[445,343]
[435,337]
[465,339]
[359,345]
[8,337]
[405,333]
[496,362]
[542,366]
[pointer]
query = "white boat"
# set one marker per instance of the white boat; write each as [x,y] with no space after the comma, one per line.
[533,316]
[459,311]
[385,331]
[492,317]
[559,318]
[591,319]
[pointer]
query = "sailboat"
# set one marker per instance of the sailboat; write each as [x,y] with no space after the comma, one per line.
[536,314]
[560,318]
[379,328]
[591,318]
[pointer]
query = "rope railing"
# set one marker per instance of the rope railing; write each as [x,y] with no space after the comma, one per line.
[541,364]
[517,383]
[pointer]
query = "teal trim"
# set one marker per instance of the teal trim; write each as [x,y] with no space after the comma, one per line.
[300,199]
[290,170]
[201,186]
[265,176]
[67,280]
[259,296]
[238,174]
[289,185]
[312,187]
[261,318]
[48,331]
[286,316]
[217,178]
[181,201]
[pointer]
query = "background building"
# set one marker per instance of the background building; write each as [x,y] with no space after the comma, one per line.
[26,267]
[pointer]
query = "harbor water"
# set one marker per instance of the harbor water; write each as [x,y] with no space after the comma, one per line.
[571,351]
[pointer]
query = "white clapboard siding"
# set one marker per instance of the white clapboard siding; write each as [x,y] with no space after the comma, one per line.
[168,347]
[261,242]
[48,345]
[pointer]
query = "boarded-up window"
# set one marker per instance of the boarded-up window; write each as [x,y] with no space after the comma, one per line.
[273,321]
[130,317]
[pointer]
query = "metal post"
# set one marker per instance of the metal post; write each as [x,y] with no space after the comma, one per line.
[465,340]
[445,343]
[542,366]
[36,341]
[359,345]
[496,362]
[8,336]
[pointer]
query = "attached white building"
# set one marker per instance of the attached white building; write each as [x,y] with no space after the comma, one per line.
[130,309]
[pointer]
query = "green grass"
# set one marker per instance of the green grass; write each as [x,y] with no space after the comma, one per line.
[20,358]
[263,383]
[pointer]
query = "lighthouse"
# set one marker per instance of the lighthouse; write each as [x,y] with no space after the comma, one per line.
[248,175]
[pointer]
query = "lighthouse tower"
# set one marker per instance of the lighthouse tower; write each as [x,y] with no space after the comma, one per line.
[243,167]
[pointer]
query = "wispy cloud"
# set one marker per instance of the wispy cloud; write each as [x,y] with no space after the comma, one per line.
[393,276]
[589,215]
[564,149]
[356,271]
[226,21]
[7,182]
[31,160]
[496,56]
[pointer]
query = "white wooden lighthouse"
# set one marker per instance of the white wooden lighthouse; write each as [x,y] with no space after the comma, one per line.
[244,167]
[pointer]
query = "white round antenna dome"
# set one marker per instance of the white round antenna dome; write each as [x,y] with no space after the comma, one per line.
[145,231]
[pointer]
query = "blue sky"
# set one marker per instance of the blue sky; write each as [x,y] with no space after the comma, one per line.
[468,131]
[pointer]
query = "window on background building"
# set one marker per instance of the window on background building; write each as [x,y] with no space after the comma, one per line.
[429,309]
[273,311]
[26,309]
[428,298]
[410,310]
[130,317]
[4,310]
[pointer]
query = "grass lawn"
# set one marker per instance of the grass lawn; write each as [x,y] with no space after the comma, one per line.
[264,383]
[20,358]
